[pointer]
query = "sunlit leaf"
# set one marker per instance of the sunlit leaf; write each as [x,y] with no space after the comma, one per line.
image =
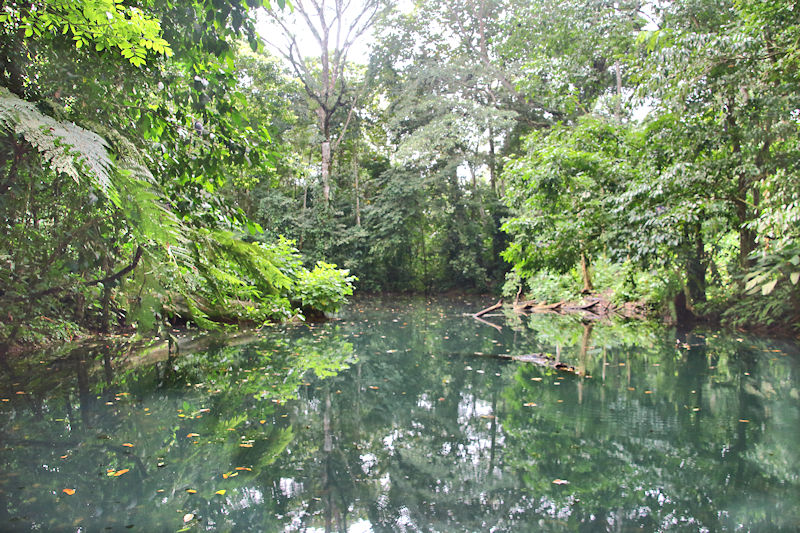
[767,288]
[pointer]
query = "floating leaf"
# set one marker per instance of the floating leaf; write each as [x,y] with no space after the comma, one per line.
[68,492]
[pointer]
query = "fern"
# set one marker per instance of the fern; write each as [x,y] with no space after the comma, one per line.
[64,146]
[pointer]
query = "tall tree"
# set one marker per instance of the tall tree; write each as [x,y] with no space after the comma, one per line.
[335,26]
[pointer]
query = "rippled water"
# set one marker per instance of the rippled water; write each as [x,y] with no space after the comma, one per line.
[399,416]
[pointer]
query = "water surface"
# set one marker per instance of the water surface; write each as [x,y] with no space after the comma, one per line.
[399,416]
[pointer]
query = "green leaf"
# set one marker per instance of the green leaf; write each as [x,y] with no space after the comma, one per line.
[769,287]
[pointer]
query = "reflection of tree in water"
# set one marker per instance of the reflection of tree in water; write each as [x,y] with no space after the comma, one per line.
[419,434]
[102,413]
[660,464]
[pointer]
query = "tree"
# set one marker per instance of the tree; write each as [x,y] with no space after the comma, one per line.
[335,27]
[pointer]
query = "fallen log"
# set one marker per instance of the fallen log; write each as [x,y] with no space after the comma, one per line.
[548,307]
[489,309]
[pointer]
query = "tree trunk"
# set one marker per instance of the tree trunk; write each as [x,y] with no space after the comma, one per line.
[587,278]
[696,270]
[618,108]
[326,171]
[355,182]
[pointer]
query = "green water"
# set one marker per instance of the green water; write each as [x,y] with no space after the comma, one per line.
[397,417]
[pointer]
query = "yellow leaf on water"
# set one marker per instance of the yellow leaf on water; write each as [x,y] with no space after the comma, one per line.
[120,472]
[220,492]
[68,492]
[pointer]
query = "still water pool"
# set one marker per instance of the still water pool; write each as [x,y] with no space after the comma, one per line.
[399,416]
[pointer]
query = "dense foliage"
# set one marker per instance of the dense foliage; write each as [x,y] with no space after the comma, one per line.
[160,165]
[126,133]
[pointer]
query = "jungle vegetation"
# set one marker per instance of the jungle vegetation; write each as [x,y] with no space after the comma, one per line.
[163,163]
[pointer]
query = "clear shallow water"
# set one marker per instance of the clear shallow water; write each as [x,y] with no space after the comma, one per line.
[396,417]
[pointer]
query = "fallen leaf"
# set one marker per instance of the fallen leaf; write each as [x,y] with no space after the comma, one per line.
[220,492]
[68,492]
[560,482]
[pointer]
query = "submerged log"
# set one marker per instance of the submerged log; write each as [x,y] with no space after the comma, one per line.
[545,360]
[542,360]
